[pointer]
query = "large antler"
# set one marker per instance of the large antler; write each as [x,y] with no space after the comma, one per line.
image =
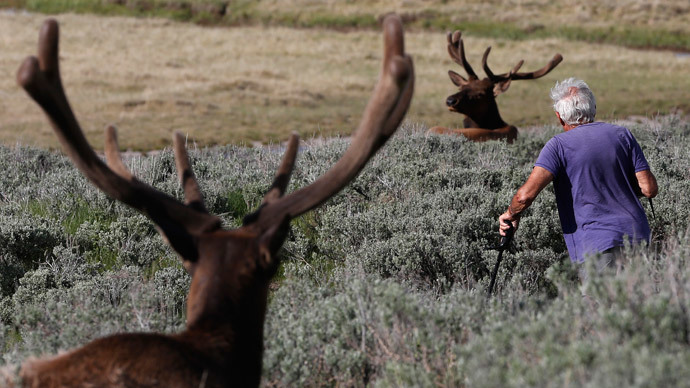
[456,49]
[513,74]
[178,222]
[381,118]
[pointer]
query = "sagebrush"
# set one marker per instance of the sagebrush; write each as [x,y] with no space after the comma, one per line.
[384,285]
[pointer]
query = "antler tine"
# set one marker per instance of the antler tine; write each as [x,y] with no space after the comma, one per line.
[399,68]
[40,77]
[541,72]
[456,49]
[465,63]
[452,48]
[488,71]
[112,154]
[381,117]
[501,77]
[517,66]
[282,178]
[190,186]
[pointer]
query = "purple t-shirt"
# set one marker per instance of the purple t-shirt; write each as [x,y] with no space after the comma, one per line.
[594,168]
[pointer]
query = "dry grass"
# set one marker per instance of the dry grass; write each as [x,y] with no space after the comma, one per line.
[668,14]
[233,85]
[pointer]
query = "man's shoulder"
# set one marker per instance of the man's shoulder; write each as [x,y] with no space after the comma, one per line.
[600,125]
[592,131]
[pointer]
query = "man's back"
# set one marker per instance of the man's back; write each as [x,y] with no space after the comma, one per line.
[594,168]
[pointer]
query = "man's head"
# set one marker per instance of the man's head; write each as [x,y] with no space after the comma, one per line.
[574,102]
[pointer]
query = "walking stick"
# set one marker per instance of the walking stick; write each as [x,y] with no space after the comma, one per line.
[651,206]
[502,246]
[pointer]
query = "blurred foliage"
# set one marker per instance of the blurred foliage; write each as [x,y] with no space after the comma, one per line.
[383,285]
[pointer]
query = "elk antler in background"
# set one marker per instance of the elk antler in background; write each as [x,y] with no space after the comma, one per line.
[231,269]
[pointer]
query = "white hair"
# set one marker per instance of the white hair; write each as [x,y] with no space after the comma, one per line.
[574,101]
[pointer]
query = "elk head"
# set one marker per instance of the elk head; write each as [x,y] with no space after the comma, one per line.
[476,98]
[231,269]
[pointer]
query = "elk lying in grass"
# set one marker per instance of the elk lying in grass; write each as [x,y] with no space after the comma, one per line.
[477,98]
[231,269]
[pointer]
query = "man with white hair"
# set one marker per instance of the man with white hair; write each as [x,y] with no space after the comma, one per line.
[598,171]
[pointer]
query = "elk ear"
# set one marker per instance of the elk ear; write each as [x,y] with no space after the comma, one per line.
[501,87]
[457,79]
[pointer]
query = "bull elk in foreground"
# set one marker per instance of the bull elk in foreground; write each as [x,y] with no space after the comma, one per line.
[222,344]
[477,98]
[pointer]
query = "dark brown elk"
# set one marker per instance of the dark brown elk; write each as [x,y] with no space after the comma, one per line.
[231,270]
[477,98]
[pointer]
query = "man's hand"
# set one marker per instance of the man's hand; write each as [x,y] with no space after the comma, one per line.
[646,184]
[503,221]
[538,179]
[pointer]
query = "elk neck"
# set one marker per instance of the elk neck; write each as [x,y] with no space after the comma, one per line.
[490,118]
[228,296]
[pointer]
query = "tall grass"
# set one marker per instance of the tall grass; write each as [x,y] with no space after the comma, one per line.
[384,285]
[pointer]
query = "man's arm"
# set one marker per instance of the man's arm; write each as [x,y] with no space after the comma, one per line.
[646,182]
[538,179]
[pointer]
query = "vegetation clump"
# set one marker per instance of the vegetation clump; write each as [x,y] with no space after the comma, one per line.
[384,285]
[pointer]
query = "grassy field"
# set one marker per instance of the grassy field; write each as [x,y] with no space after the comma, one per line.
[636,23]
[152,76]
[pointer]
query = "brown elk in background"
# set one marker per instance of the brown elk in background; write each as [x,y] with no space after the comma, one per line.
[477,98]
[222,344]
